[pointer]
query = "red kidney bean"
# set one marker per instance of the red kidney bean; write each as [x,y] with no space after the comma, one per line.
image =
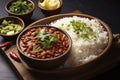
[5,44]
[49,52]
[48,56]
[63,38]
[60,50]
[14,56]
[33,55]
[43,57]
[28,54]
[51,31]
[28,49]
[64,43]
[33,30]
[33,33]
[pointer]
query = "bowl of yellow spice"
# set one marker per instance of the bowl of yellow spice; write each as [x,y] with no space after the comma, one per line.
[50,7]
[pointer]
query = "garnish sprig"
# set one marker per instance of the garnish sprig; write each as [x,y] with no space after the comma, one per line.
[46,39]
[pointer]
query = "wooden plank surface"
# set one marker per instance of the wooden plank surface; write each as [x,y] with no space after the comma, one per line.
[107,62]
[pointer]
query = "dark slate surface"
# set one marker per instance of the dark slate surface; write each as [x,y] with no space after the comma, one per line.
[107,10]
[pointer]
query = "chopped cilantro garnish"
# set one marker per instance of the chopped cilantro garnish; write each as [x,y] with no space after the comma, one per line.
[82,29]
[46,39]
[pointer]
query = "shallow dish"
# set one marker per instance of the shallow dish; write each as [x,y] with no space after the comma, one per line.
[82,67]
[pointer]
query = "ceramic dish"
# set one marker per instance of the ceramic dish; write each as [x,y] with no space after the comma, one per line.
[12,25]
[50,12]
[46,49]
[82,67]
[25,16]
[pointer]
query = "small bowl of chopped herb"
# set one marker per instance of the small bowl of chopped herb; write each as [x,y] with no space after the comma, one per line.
[11,26]
[20,8]
[43,47]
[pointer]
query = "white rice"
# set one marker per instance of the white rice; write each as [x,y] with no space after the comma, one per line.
[83,50]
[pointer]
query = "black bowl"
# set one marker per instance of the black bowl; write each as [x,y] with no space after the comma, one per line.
[16,20]
[48,63]
[25,16]
[48,12]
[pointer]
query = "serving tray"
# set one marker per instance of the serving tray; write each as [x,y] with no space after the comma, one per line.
[106,62]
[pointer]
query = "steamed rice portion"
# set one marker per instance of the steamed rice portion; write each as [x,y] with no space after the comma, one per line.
[88,38]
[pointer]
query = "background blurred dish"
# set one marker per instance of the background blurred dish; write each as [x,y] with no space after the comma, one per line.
[11,26]
[23,9]
[47,11]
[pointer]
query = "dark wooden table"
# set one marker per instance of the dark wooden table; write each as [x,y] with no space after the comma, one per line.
[106,10]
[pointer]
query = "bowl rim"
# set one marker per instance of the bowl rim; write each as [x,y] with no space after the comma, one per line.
[61,4]
[14,17]
[108,29]
[47,59]
[9,2]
